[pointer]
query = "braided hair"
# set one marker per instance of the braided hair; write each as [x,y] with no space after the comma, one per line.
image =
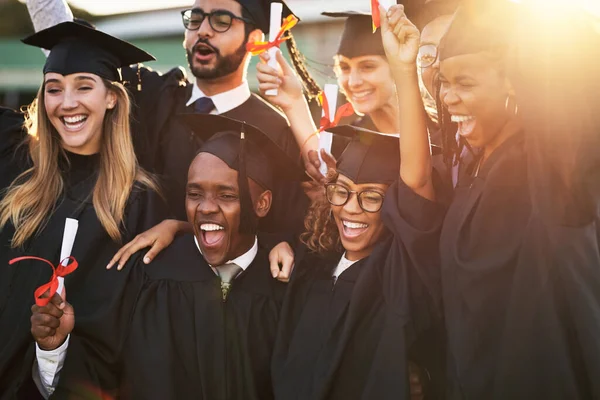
[311,87]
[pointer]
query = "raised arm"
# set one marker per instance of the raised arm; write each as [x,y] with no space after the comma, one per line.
[401,43]
[293,104]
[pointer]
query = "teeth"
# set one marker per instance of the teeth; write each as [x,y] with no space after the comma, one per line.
[360,95]
[75,119]
[461,118]
[354,225]
[211,227]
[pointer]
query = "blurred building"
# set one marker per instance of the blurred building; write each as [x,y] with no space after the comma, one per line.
[161,33]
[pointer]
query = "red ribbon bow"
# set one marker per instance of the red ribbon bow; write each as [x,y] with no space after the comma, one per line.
[344,111]
[375,14]
[60,271]
[259,47]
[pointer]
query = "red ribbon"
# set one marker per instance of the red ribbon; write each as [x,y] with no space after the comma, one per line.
[344,111]
[259,47]
[60,271]
[375,14]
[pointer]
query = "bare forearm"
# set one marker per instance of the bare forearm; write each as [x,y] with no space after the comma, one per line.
[47,13]
[302,126]
[415,151]
[184,227]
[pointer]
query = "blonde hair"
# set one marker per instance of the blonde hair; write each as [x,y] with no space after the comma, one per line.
[33,195]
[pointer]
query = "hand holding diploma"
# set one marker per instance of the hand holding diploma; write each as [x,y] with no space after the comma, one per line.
[400,37]
[52,323]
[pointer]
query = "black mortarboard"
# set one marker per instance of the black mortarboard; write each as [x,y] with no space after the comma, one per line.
[478,26]
[260,11]
[358,38]
[370,157]
[248,150]
[433,9]
[78,48]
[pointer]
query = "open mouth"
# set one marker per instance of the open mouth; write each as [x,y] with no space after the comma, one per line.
[74,122]
[212,235]
[466,124]
[353,229]
[204,52]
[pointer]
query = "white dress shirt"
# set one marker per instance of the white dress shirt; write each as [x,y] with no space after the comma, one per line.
[343,265]
[225,101]
[48,364]
[242,261]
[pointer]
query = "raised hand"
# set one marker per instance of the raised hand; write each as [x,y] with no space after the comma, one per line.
[52,323]
[288,85]
[400,37]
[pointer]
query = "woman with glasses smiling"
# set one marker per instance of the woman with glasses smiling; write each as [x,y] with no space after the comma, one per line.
[361,317]
[357,316]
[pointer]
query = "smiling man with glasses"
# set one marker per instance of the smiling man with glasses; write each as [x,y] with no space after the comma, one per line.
[215,37]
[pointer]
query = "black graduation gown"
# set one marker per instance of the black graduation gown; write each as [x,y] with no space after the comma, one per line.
[88,288]
[521,284]
[182,341]
[352,340]
[166,146]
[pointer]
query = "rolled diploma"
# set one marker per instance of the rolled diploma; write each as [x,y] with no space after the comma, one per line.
[274,27]
[386,4]
[71,226]
[326,138]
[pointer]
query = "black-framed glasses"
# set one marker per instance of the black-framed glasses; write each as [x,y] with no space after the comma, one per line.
[369,200]
[427,55]
[219,20]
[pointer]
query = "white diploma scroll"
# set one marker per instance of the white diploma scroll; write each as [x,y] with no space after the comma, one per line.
[274,27]
[326,138]
[71,226]
[386,4]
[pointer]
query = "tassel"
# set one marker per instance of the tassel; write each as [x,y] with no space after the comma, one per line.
[247,217]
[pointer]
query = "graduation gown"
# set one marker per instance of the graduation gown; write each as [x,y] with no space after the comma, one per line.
[88,288]
[181,341]
[352,340]
[521,284]
[166,146]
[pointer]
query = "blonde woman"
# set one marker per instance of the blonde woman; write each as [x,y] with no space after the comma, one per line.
[73,158]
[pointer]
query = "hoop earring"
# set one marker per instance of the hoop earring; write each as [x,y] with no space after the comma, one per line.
[506,104]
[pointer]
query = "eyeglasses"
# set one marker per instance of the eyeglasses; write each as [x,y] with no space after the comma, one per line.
[368,200]
[427,55]
[220,21]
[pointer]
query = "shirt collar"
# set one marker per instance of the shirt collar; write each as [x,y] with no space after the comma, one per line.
[343,265]
[225,101]
[242,261]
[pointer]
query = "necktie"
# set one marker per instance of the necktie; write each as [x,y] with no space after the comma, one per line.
[227,273]
[204,105]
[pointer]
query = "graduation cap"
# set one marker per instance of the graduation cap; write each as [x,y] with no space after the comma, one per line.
[370,157]
[76,47]
[260,11]
[358,38]
[248,150]
[433,9]
[475,28]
